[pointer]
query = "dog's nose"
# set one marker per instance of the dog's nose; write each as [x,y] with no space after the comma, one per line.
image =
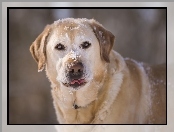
[76,71]
[76,68]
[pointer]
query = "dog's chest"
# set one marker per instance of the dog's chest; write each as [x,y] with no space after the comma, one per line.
[67,112]
[77,116]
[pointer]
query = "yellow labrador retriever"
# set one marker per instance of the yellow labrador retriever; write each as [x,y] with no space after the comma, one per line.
[93,84]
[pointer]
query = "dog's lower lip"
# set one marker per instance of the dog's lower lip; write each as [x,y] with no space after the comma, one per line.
[76,83]
[79,81]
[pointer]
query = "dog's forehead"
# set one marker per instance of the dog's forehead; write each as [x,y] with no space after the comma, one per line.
[71,28]
[71,22]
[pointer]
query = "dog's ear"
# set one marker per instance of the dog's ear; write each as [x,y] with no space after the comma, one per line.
[38,48]
[105,38]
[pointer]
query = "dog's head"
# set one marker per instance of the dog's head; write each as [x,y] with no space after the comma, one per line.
[74,51]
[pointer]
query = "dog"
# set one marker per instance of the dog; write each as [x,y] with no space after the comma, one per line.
[93,84]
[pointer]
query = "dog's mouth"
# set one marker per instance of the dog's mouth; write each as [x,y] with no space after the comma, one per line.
[75,83]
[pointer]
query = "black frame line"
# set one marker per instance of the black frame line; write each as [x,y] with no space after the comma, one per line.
[8,8]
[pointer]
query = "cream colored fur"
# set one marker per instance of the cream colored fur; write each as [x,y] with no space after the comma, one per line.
[118,90]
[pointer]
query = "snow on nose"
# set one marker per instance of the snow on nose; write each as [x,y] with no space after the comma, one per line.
[76,68]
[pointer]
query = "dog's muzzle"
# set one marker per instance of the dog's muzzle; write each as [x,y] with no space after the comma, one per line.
[75,75]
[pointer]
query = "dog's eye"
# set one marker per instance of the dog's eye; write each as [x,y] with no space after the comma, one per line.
[85,45]
[60,47]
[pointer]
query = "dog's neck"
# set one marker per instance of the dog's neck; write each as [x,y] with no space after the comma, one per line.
[69,105]
[68,111]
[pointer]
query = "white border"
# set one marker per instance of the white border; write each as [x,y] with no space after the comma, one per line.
[170,60]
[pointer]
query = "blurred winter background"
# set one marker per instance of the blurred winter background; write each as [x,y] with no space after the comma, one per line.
[140,34]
